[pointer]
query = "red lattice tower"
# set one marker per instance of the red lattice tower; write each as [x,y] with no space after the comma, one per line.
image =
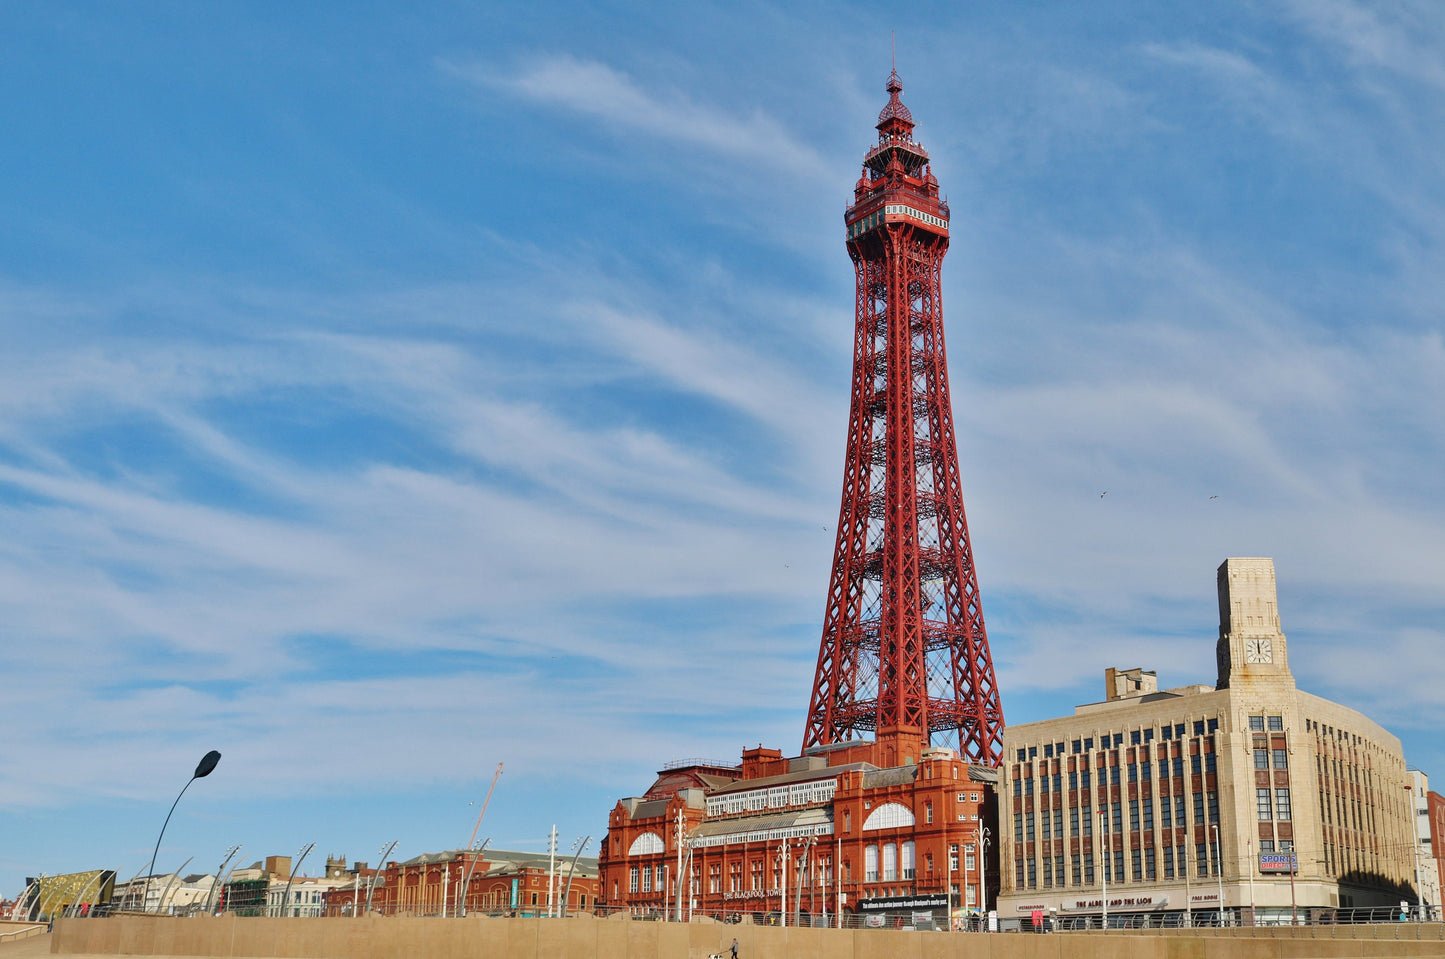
[904,651]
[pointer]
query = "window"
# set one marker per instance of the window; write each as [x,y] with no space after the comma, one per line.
[1029,826]
[1089,743]
[1033,752]
[1164,809]
[1073,780]
[1148,813]
[1118,817]
[1168,862]
[1134,772]
[1281,803]
[632,879]
[847,820]
[1118,739]
[1213,725]
[928,812]
[1213,806]
[1076,745]
[757,876]
[907,860]
[1048,871]
[1084,779]
[1276,724]
[1134,816]
[1144,770]
[1199,809]
[1263,809]
[1058,823]
[1077,867]
[1074,820]
[1047,824]
[646,878]
[1179,731]
[1201,858]
[1195,764]
[870,864]
[1261,759]
[1033,873]
[1135,738]
[1179,765]
[1163,769]
[1266,845]
[1199,728]
[953,857]
[1256,723]
[1281,759]
[1024,755]
[1137,862]
[1114,775]
[1048,750]
[1088,868]
[1209,760]
[890,862]
[1087,818]
[1018,827]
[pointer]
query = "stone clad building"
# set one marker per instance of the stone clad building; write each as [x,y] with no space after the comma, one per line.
[1250,789]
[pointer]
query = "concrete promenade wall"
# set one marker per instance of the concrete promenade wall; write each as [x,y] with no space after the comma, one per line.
[588,938]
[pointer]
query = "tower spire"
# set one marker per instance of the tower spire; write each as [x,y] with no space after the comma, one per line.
[904,652]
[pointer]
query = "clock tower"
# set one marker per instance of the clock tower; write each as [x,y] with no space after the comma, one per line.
[1251,647]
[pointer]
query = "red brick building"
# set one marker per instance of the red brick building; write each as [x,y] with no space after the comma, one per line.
[886,829]
[1435,803]
[496,881]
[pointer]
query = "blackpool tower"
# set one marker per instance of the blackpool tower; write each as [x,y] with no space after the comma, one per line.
[904,653]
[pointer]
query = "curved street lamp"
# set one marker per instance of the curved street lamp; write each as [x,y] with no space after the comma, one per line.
[204,768]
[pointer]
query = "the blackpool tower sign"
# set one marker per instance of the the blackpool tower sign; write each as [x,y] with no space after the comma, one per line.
[904,651]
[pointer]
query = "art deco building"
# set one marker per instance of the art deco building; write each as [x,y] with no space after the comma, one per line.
[1248,794]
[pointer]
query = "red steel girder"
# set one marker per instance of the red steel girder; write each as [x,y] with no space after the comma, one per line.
[904,643]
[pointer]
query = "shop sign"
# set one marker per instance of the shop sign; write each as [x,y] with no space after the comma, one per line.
[1278,862]
[1122,902]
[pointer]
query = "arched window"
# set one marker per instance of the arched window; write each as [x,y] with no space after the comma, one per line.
[888,816]
[647,844]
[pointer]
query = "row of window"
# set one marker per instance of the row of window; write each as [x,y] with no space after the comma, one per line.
[776,797]
[1172,812]
[1279,810]
[1274,723]
[1145,865]
[1135,772]
[894,866]
[1137,737]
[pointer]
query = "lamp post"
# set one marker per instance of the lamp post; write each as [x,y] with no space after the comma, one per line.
[204,768]
[983,836]
[286,896]
[1219,872]
[476,851]
[577,846]
[1104,876]
[220,873]
[380,865]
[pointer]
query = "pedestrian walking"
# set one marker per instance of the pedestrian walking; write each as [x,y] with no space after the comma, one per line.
[735,948]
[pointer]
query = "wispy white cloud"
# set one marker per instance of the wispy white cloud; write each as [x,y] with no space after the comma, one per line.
[614,98]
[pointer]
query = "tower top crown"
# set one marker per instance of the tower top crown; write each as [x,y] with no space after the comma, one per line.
[895,118]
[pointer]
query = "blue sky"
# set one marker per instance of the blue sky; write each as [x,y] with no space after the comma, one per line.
[386,393]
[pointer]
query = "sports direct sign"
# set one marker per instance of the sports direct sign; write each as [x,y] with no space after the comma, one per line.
[1277,862]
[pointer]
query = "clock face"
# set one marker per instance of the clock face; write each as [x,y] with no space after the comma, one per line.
[1258,651]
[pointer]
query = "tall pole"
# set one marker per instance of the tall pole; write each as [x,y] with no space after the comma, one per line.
[204,768]
[838,880]
[983,835]
[220,871]
[552,868]
[1104,876]
[286,896]
[380,865]
[579,845]
[783,870]
[1249,847]
[467,878]
[1188,894]
[1219,872]
[1293,906]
